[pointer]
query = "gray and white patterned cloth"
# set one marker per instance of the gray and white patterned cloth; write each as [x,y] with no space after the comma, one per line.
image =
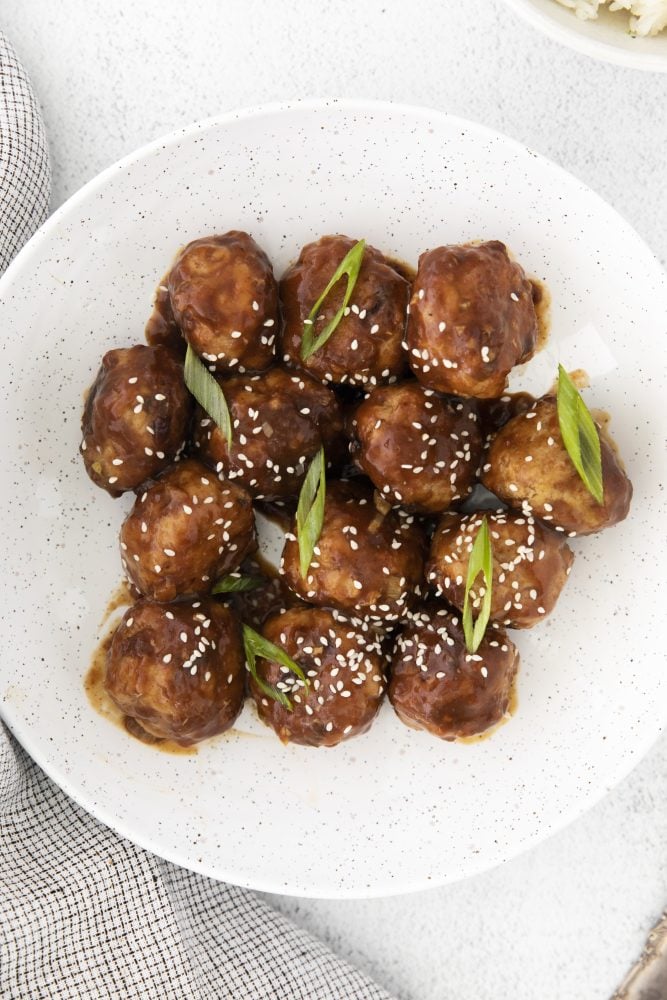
[84,914]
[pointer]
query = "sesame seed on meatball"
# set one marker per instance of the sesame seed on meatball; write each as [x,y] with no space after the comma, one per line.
[343,661]
[135,421]
[178,669]
[369,559]
[528,467]
[530,565]
[437,685]
[419,449]
[225,300]
[280,420]
[472,319]
[365,348]
[185,531]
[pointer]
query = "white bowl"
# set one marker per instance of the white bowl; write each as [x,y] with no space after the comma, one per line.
[607,37]
[394,810]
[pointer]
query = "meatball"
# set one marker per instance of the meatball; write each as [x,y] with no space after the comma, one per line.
[529,468]
[280,420]
[438,686]
[162,327]
[369,559]
[419,449]
[136,418]
[224,298]
[185,531]
[365,348]
[179,669]
[472,319]
[530,565]
[343,662]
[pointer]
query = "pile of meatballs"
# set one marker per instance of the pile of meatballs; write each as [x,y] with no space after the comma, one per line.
[406,399]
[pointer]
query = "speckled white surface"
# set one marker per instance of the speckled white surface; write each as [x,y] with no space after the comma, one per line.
[564,920]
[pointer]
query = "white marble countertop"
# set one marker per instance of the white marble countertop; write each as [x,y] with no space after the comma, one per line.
[565,920]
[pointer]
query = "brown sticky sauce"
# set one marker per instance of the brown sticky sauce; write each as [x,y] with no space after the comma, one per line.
[495,413]
[99,699]
[278,512]
[121,598]
[254,606]
[406,271]
[603,419]
[542,305]
[161,327]
[580,378]
[488,733]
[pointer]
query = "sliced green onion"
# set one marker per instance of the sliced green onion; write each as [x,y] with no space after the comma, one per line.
[481,561]
[208,393]
[580,435]
[310,510]
[350,266]
[237,584]
[256,645]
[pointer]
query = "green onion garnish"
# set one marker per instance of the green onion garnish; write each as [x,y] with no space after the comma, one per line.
[580,435]
[310,510]
[481,561]
[208,393]
[350,266]
[237,584]
[256,645]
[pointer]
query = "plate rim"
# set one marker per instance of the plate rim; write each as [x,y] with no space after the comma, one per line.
[22,731]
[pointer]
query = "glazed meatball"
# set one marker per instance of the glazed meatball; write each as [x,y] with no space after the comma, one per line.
[179,669]
[185,531]
[365,348]
[530,565]
[529,468]
[438,686]
[419,449]
[343,662]
[471,319]
[136,418]
[225,300]
[162,327]
[369,559]
[280,420]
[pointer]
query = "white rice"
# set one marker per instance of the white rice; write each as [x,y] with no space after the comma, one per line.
[648,17]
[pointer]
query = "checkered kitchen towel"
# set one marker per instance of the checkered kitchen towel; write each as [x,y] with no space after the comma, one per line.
[84,914]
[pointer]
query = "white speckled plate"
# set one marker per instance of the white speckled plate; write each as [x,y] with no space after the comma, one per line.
[395,810]
[605,37]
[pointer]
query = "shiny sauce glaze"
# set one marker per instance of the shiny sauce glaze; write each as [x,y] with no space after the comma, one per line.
[492,730]
[542,304]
